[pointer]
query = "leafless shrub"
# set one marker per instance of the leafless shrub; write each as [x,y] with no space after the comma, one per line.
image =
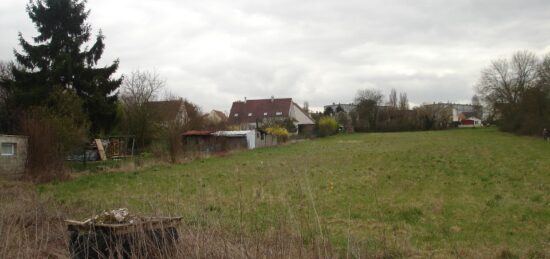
[139,88]
[29,226]
[49,139]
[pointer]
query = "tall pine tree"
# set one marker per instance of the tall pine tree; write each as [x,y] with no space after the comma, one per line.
[61,61]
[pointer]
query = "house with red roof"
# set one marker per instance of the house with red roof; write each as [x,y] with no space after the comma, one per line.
[250,114]
[469,120]
[169,110]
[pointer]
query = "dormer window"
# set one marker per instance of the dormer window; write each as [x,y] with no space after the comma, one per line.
[236,115]
[250,114]
[278,113]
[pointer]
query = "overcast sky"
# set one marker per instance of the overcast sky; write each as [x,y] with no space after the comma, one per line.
[322,51]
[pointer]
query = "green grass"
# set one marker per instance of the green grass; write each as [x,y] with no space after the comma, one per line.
[470,189]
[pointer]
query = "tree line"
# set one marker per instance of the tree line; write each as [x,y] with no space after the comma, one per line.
[512,93]
[373,113]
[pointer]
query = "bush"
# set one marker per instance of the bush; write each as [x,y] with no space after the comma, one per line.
[280,132]
[327,126]
[51,137]
[173,140]
[54,130]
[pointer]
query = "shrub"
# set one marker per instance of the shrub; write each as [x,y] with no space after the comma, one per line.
[327,126]
[173,140]
[51,137]
[54,130]
[280,132]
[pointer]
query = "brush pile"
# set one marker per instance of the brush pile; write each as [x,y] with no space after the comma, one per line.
[117,216]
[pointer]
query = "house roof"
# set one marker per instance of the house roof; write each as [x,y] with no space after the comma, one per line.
[232,133]
[469,114]
[13,136]
[257,109]
[165,110]
[219,114]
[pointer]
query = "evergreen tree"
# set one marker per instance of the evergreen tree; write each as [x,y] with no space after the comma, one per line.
[339,109]
[328,111]
[61,61]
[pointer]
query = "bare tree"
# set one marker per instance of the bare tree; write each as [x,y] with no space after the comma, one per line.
[367,103]
[139,88]
[525,65]
[504,81]
[393,99]
[371,95]
[434,116]
[478,108]
[403,102]
[190,117]
[544,72]
[504,85]
[7,115]
[5,74]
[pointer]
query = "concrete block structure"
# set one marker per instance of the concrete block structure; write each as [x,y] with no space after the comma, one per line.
[13,155]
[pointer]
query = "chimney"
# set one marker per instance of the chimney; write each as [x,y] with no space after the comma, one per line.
[272,98]
[245,99]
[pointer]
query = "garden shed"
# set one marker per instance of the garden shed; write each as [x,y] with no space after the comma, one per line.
[200,141]
[220,141]
[13,155]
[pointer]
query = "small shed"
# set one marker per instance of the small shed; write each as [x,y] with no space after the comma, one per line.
[238,139]
[199,141]
[13,155]
[219,141]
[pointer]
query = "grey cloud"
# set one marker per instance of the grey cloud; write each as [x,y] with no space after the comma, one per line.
[213,52]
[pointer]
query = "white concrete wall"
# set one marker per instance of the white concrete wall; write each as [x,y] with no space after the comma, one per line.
[299,115]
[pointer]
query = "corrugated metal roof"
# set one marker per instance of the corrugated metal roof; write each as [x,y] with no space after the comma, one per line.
[197,133]
[235,133]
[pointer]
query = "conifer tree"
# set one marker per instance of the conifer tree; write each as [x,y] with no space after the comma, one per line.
[61,61]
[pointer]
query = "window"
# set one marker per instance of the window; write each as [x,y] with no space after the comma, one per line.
[250,114]
[265,113]
[8,149]
[278,113]
[236,115]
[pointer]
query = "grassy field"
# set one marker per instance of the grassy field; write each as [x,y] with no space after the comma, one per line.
[470,192]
